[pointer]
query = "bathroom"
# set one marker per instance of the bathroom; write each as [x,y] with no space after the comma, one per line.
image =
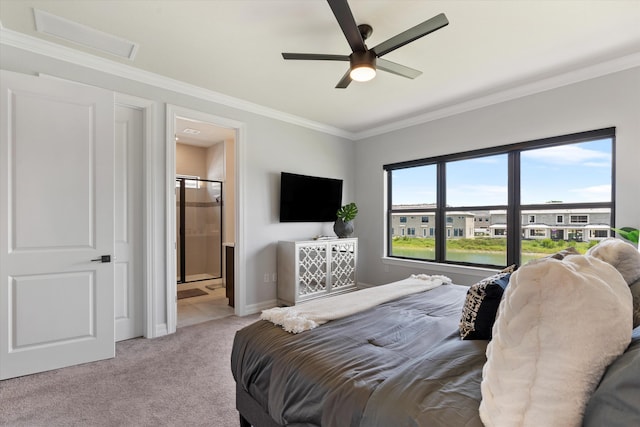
[204,219]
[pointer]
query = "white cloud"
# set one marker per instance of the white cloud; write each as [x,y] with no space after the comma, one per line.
[568,155]
[596,193]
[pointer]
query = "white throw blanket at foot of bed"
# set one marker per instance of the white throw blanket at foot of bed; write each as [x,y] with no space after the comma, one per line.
[314,313]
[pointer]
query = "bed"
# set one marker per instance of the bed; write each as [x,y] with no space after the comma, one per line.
[400,363]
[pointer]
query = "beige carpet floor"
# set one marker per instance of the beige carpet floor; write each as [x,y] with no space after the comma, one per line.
[183,379]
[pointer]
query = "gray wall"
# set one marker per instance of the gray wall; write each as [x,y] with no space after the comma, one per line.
[273,145]
[612,100]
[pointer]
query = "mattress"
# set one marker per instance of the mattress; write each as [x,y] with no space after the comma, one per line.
[401,363]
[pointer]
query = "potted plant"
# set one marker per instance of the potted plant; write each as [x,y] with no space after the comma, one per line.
[343,227]
[629,233]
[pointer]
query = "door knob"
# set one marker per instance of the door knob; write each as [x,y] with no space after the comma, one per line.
[103,258]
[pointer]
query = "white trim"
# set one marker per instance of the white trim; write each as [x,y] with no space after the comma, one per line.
[440,267]
[172,113]
[256,308]
[148,109]
[63,53]
[567,78]
[171,296]
[160,330]
[240,247]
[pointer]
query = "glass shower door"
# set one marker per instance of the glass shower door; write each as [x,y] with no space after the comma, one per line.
[199,227]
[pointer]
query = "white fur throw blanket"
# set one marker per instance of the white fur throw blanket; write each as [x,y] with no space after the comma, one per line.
[311,314]
[559,325]
[626,259]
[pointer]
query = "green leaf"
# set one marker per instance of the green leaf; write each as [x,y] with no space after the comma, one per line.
[629,233]
[347,212]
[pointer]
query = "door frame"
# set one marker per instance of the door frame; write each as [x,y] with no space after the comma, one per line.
[172,113]
[149,111]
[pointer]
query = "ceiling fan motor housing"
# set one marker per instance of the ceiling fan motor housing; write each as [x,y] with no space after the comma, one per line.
[359,59]
[363,66]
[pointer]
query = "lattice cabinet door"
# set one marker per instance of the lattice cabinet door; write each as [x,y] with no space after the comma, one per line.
[344,253]
[315,268]
[312,269]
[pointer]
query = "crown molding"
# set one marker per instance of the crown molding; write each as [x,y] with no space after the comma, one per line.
[83,59]
[43,47]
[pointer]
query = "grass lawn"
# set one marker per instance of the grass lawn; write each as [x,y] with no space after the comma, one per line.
[485,244]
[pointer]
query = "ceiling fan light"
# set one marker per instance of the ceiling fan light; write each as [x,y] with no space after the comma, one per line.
[363,73]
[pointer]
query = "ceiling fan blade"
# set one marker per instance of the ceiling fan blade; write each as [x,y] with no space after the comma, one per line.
[315,56]
[411,34]
[344,81]
[347,23]
[398,69]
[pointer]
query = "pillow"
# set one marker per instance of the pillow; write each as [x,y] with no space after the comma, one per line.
[622,255]
[626,259]
[559,325]
[615,401]
[564,253]
[481,305]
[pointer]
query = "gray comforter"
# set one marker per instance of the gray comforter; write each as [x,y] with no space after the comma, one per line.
[399,364]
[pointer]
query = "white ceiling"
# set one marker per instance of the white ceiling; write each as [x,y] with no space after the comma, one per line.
[200,134]
[233,47]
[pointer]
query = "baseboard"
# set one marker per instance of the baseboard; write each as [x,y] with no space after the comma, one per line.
[362,285]
[161,330]
[256,308]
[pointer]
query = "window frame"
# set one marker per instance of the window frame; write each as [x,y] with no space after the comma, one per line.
[513,207]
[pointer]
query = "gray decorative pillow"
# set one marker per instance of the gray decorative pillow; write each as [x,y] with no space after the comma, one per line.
[615,401]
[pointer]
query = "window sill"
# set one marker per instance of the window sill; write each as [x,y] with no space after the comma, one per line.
[429,266]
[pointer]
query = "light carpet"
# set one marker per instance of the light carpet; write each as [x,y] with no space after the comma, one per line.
[177,380]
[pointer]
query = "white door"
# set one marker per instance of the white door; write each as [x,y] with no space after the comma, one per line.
[129,307]
[56,218]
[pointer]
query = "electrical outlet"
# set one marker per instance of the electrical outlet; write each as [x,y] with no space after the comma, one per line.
[274,277]
[266,277]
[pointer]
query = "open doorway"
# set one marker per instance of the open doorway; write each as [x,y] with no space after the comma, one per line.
[205,219]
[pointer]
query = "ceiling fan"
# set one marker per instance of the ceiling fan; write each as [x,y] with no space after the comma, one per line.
[364,61]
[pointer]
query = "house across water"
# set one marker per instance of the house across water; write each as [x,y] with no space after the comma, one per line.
[582,225]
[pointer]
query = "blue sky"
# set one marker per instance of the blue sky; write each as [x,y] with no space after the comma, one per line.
[568,173]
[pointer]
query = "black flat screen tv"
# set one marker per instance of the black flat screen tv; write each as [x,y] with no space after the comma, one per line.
[306,198]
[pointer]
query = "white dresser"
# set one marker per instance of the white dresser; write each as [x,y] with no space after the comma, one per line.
[311,269]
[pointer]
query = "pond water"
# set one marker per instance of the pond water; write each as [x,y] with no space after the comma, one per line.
[487,258]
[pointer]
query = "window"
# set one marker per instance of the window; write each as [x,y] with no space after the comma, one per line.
[536,232]
[413,193]
[424,219]
[579,219]
[600,234]
[534,197]
[189,181]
